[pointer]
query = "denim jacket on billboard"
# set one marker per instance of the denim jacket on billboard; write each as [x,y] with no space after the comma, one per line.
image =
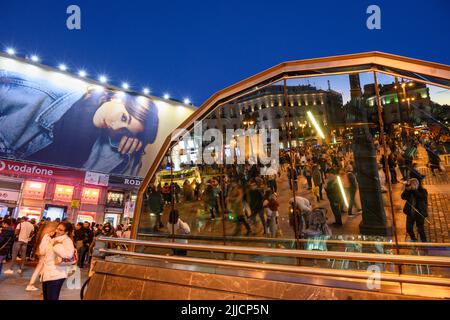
[28,111]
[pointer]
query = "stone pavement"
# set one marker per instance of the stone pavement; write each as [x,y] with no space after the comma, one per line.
[12,287]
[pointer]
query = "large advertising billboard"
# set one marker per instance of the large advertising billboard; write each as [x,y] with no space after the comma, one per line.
[52,117]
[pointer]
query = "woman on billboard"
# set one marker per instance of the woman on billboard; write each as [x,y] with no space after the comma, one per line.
[97,130]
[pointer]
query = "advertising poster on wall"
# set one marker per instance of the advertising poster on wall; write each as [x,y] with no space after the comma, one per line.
[51,117]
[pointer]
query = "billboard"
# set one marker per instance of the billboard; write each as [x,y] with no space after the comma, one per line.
[52,117]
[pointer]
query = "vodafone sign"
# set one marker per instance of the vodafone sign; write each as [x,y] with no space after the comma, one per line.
[25,168]
[32,170]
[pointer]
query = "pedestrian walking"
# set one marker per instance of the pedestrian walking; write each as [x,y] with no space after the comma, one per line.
[24,232]
[332,190]
[6,240]
[416,208]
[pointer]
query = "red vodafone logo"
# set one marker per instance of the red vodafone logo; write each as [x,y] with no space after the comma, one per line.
[27,169]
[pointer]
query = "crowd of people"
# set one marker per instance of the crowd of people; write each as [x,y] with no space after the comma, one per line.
[55,245]
[249,193]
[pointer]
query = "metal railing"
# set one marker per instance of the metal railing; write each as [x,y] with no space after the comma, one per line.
[393,282]
[343,241]
[362,275]
[354,256]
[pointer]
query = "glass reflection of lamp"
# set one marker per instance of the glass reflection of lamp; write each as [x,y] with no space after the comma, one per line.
[316,125]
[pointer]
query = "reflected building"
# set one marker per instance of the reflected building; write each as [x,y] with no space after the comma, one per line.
[402,102]
[266,107]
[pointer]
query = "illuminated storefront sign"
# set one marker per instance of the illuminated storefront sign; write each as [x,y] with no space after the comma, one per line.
[30,212]
[63,193]
[36,171]
[90,195]
[86,216]
[9,195]
[34,190]
[115,199]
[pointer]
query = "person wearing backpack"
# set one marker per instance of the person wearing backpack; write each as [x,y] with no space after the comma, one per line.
[416,208]
[24,233]
[6,240]
[58,252]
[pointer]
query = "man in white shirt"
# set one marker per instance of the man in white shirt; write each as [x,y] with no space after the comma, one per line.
[24,231]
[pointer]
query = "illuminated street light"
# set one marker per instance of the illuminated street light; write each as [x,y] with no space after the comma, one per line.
[341,186]
[146,91]
[316,125]
[187,101]
[62,67]
[166,96]
[34,58]
[125,86]
[82,73]
[10,51]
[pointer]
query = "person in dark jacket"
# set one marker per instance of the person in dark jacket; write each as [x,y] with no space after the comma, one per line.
[256,200]
[318,181]
[416,208]
[6,240]
[433,159]
[332,190]
[88,237]
[155,202]
[79,239]
[351,189]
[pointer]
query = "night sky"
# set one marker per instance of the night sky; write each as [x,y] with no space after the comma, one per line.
[195,48]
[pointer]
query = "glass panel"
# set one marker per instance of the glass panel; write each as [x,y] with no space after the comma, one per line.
[331,155]
[416,119]
[333,133]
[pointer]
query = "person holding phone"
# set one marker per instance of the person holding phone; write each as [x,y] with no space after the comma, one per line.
[54,249]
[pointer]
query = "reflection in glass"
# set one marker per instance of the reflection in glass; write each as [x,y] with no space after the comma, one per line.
[345,153]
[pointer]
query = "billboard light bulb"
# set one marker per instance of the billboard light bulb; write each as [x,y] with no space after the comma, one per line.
[82,73]
[166,96]
[187,101]
[146,91]
[316,125]
[125,86]
[103,79]
[341,186]
[10,51]
[34,58]
[62,67]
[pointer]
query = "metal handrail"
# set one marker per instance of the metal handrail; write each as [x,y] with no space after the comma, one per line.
[281,240]
[292,269]
[355,256]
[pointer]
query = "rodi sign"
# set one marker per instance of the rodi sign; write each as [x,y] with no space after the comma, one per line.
[125,181]
[132,182]
[26,169]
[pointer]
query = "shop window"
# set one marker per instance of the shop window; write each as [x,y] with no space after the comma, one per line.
[115,199]
[90,195]
[63,193]
[34,190]
[30,212]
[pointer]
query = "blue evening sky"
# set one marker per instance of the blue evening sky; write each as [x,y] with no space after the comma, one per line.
[195,48]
